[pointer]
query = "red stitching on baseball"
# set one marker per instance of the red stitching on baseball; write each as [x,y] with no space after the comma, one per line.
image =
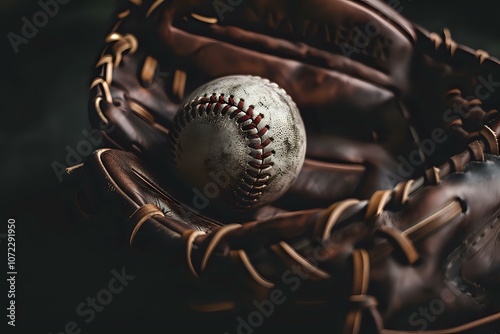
[257,171]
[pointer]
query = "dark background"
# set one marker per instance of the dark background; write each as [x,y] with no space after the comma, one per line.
[43,106]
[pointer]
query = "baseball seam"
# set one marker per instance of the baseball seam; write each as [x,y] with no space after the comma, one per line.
[257,172]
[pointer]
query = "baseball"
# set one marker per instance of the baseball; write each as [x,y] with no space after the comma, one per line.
[239,140]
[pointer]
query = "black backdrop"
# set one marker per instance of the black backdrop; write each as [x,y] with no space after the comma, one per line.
[43,109]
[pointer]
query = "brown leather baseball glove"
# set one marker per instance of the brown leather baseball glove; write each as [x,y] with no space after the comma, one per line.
[389,226]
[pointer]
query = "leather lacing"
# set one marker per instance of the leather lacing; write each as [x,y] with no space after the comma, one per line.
[474,123]
[362,304]
[110,59]
[447,48]
[117,45]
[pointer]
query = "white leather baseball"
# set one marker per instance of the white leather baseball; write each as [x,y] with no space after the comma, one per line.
[242,133]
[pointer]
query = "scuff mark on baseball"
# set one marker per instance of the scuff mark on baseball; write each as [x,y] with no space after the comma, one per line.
[242,133]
